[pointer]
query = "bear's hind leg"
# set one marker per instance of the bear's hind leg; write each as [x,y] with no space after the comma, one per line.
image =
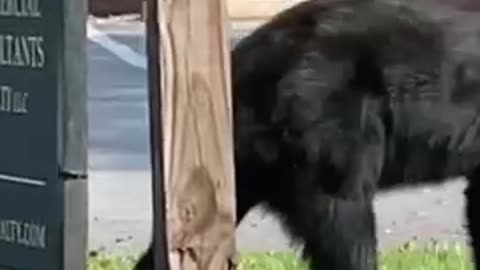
[338,234]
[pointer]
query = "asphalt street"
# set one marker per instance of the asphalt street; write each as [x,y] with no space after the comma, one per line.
[120,211]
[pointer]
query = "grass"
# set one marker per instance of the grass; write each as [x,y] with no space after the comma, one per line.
[110,262]
[434,256]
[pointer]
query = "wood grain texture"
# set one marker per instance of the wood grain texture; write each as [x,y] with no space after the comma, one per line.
[197,125]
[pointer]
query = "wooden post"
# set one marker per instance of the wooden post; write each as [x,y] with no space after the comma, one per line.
[197,165]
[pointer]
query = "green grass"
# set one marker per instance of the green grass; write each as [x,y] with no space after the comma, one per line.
[434,256]
[110,262]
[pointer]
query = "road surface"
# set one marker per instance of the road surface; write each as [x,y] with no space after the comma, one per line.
[120,172]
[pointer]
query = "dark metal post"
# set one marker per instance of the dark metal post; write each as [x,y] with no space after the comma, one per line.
[156,137]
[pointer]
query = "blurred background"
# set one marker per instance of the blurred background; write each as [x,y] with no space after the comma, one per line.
[238,9]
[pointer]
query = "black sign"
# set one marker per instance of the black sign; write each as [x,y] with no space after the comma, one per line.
[34,86]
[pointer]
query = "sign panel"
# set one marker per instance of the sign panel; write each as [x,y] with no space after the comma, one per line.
[32,88]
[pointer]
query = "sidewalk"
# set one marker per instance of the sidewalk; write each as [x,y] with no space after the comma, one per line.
[119,210]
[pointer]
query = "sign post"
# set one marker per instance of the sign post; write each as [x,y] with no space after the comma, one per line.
[192,135]
[43,137]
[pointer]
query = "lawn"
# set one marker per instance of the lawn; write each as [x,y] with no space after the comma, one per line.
[434,256]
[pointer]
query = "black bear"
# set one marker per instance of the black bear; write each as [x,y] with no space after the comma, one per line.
[336,101]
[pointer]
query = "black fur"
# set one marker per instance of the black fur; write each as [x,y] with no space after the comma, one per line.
[334,102]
